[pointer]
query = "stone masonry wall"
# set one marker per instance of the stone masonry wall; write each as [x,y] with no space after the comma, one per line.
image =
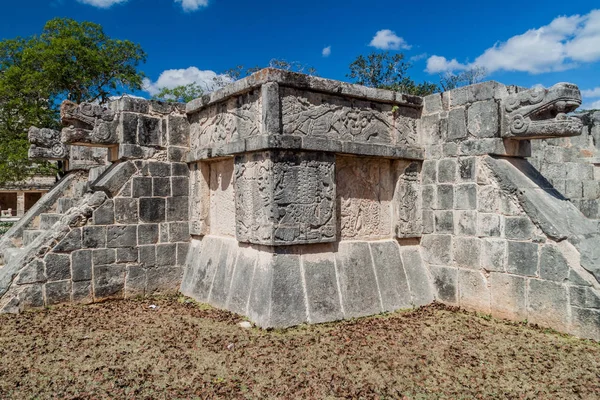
[483,249]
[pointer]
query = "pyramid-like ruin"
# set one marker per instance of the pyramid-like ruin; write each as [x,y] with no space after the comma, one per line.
[293,199]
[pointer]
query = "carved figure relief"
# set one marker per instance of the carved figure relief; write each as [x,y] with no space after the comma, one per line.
[234,119]
[285,198]
[340,118]
[199,200]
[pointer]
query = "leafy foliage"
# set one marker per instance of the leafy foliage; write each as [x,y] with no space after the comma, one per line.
[182,94]
[387,71]
[68,60]
[469,76]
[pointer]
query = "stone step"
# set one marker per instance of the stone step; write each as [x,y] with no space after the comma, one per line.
[64,204]
[47,220]
[29,236]
[11,254]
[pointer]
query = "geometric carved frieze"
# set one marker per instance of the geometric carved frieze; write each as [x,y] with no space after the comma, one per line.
[285,197]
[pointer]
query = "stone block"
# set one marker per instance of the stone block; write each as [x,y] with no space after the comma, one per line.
[82,292]
[586,323]
[32,296]
[131,104]
[166,255]
[142,186]
[109,282]
[324,303]
[483,119]
[432,103]
[584,297]
[114,178]
[161,186]
[147,256]
[163,280]
[159,169]
[94,236]
[103,256]
[163,233]
[465,196]
[518,228]
[71,242]
[391,278]
[358,283]
[179,131]
[488,200]
[466,223]
[446,170]
[135,281]
[224,272]
[522,258]
[179,231]
[121,236]
[81,264]
[147,233]
[457,126]
[450,149]
[126,210]
[429,196]
[553,264]
[474,293]
[180,169]
[177,208]
[288,304]
[152,209]
[243,272]
[428,221]
[105,214]
[429,172]
[467,169]
[127,129]
[180,186]
[466,252]
[493,254]
[437,249]
[34,272]
[58,267]
[182,252]
[547,304]
[444,221]
[445,197]
[149,133]
[508,296]
[58,292]
[488,225]
[417,275]
[445,283]
[127,255]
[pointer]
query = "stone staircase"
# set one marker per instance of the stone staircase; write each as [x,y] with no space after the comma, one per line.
[42,217]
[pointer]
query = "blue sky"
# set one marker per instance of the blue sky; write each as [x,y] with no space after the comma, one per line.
[519,42]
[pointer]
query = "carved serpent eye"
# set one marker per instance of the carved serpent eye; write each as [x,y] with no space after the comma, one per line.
[519,124]
[512,103]
[58,150]
[536,95]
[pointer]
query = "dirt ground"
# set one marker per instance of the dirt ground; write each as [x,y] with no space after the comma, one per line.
[125,349]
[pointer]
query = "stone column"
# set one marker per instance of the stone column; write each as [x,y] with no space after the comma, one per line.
[20,204]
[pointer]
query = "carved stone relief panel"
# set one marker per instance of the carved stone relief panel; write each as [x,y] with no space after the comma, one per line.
[199,198]
[347,119]
[377,198]
[285,198]
[236,118]
[222,199]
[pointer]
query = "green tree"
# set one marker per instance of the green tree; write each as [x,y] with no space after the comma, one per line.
[469,76]
[68,60]
[182,93]
[387,71]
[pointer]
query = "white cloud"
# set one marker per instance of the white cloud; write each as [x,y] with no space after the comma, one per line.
[591,106]
[386,39]
[102,3]
[326,51]
[192,5]
[591,93]
[438,64]
[563,44]
[172,78]
[418,57]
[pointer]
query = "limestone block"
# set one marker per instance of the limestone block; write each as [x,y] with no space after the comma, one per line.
[126,210]
[152,209]
[444,221]
[166,254]
[81,264]
[417,275]
[135,281]
[391,278]
[163,280]
[34,272]
[199,204]
[32,296]
[127,255]
[121,236]
[553,264]
[109,281]
[307,113]
[104,256]
[177,208]
[483,119]
[519,228]
[147,256]
[586,323]
[239,291]
[508,296]
[161,186]
[429,197]
[182,252]
[222,214]
[465,196]
[447,170]
[445,282]
[429,172]
[466,223]
[432,103]
[457,126]
[147,233]
[71,242]
[466,252]
[437,249]
[522,258]
[94,236]
[58,292]
[407,201]
[358,283]
[493,254]
[474,291]
[445,197]
[142,186]
[82,292]
[324,302]
[114,178]
[584,297]
[288,306]
[488,225]
[285,198]
[547,304]
[467,169]
[223,276]
[180,186]
[179,130]
[105,214]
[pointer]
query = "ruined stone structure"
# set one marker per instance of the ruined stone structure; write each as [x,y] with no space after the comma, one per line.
[293,199]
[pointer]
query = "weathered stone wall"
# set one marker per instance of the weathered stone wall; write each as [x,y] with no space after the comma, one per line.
[572,165]
[484,243]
